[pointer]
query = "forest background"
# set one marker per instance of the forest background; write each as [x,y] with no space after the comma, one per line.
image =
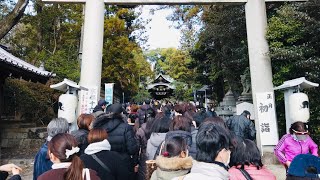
[213,51]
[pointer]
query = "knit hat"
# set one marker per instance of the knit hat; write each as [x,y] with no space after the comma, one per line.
[305,165]
[102,102]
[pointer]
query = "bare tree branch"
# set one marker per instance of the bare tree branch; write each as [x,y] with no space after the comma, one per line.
[13,17]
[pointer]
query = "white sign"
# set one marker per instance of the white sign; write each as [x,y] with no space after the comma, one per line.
[267,118]
[245,106]
[88,100]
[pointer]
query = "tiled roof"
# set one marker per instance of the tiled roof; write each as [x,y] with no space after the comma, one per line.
[8,58]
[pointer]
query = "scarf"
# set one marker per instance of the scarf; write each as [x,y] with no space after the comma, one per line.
[97,147]
[61,165]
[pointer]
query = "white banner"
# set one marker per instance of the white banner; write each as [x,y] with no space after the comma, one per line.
[109,92]
[88,100]
[267,118]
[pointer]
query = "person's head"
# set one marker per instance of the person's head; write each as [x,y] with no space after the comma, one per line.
[160,124]
[63,147]
[216,120]
[246,114]
[134,108]
[57,125]
[299,130]
[180,108]
[97,135]
[102,103]
[213,144]
[175,147]
[247,153]
[147,101]
[84,121]
[180,123]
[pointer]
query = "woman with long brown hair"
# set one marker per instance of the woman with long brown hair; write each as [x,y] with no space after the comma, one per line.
[62,150]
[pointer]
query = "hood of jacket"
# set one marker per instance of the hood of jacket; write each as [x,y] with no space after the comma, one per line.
[157,138]
[207,171]
[184,134]
[97,147]
[174,163]
[97,108]
[108,122]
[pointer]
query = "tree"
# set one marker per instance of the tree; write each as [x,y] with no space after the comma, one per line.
[12,18]
[220,55]
[293,35]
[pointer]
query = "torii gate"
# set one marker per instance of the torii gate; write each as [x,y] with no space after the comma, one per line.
[256,22]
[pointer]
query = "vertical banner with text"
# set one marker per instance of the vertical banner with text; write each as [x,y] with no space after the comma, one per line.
[89,100]
[267,118]
[109,92]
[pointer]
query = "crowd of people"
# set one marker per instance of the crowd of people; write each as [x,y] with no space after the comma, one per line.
[182,141]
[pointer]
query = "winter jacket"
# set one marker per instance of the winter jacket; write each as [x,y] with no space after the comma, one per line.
[81,136]
[42,162]
[263,173]
[288,147]
[118,168]
[120,136]
[168,168]
[207,171]
[142,112]
[186,135]
[242,127]
[4,175]
[153,143]
[58,174]
[97,111]
[142,144]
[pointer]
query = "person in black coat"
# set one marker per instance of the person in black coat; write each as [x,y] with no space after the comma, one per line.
[84,121]
[120,133]
[108,164]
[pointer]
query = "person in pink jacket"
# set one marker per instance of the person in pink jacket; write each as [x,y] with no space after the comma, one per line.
[295,143]
[246,158]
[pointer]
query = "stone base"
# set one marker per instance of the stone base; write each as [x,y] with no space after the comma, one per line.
[268,156]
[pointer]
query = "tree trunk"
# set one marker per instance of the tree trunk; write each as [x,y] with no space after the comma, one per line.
[13,17]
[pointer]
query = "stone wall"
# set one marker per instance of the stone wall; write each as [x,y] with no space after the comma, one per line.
[19,135]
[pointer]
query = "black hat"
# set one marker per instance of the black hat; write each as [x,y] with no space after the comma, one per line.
[102,102]
[116,108]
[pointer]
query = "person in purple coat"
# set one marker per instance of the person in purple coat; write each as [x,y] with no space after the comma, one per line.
[295,143]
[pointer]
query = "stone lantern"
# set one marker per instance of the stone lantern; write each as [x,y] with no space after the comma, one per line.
[68,101]
[296,102]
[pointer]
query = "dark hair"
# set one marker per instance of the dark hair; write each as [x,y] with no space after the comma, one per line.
[58,146]
[211,139]
[246,113]
[180,108]
[161,123]
[180,123]
[84,121]
[149,118]
[217,121]
[298,126]
[246,153]
[97,135]
[174,146]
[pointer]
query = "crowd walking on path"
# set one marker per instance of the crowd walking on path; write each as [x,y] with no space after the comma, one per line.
[164,141]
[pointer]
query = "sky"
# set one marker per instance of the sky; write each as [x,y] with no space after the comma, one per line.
[161,35]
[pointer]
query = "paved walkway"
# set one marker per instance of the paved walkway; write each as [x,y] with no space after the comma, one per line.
[278,170]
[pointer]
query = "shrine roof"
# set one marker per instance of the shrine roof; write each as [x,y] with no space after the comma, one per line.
[10,59]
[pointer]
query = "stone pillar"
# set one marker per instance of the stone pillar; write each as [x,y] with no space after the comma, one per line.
[260,63]
[91,63]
